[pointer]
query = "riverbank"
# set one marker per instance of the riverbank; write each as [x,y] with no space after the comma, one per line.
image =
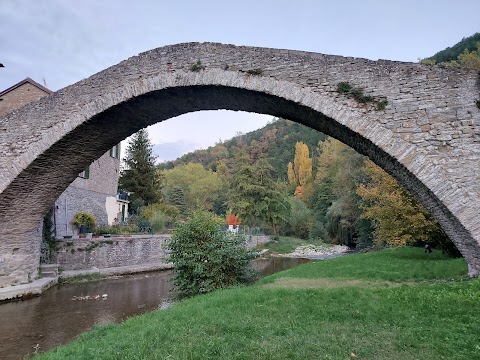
[37,287]
[291,247]
[103,257]
[62,313]
[390,304]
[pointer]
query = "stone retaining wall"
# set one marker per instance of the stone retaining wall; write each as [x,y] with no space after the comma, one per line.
[76,254]
[79,254]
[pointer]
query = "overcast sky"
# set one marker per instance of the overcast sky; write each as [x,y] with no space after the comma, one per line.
[60,42]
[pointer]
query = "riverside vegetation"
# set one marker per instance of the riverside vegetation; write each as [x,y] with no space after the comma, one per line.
[391,304]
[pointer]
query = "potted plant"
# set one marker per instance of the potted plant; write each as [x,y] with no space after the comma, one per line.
[84,221]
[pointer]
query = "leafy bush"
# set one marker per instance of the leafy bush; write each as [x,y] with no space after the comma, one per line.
[102,230]
[207,258]
[84,218]
[300,221]
[158,222]
[149,211]
[120,229]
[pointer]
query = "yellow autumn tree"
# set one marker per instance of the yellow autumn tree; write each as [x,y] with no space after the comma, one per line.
[300,172]
[398,218]
[291,174]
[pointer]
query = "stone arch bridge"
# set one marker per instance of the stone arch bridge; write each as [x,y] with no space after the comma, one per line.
[427,137]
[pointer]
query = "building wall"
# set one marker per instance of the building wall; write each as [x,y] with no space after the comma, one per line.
[19,97]
[113,209]
[92,195]
[103,177]
[83,194]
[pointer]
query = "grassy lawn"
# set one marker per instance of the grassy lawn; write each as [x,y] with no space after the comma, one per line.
[392,304]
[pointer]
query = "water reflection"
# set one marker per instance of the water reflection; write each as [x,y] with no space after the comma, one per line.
[54,318]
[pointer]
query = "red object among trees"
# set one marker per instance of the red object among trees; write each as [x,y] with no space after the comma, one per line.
[232,219]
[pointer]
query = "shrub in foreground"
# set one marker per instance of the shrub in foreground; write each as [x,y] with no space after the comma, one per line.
[206,257]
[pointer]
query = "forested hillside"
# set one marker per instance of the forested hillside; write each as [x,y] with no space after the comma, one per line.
[452,53]
[289,179]
[276,141]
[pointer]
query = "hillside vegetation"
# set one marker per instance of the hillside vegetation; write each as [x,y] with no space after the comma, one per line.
[452,53]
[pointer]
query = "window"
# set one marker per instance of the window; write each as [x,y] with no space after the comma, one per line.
[115,151]
[85,173]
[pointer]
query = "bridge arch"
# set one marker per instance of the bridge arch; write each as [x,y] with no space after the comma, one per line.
[427,137]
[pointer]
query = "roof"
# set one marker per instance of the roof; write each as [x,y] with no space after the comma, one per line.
[27,80]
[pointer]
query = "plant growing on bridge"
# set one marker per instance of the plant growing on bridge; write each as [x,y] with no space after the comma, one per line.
[256,71]
[206,257]
[49,242]
[196,67]
[357,93]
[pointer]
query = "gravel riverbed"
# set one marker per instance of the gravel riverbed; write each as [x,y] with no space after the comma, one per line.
[317,252]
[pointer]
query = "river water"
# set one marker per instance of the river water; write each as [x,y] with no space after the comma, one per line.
[53,318]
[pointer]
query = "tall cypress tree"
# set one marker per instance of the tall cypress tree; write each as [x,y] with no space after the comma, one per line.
[139,175]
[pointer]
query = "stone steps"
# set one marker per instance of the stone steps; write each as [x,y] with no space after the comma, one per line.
[49,270]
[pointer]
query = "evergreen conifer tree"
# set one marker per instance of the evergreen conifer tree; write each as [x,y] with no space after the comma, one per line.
[139,175]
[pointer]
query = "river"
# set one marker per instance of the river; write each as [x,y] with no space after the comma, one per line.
[52,319]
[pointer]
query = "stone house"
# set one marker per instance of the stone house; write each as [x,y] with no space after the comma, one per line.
[95,188]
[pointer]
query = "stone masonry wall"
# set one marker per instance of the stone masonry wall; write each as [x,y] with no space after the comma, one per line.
[427,137]
[88,195]
[104,173]
[74,200]
[101,253]
[81,254]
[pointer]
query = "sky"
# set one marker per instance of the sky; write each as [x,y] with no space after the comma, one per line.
[60,42]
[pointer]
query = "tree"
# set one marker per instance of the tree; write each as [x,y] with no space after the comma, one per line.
[301,171]
[300,220]
[254,194]
[399,219]
[175,196]
[200,187]
[469,59]
[206,257]
[139,175]
[335,201]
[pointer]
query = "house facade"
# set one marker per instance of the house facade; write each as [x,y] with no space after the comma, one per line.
[95,188]
[93,191]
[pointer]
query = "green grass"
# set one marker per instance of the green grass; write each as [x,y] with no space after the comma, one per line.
[431,312]
[400,264]
[284,244]
[82,278]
